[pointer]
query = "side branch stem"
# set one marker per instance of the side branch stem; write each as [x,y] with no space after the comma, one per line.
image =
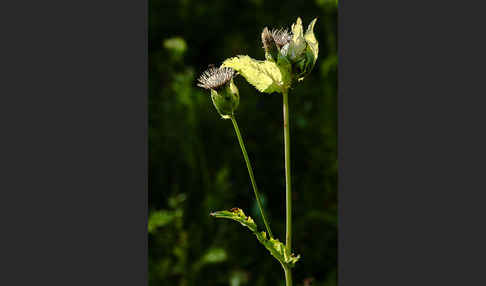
[288,190]
[250,172]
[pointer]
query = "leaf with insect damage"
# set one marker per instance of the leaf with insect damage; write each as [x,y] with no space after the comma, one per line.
[238,215]
[276,248]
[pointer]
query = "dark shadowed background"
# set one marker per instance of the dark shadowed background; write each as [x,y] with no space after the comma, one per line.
[196,165]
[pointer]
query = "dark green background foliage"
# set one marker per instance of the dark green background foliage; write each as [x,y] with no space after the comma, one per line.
[196,165]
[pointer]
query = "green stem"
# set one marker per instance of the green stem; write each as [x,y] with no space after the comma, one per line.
[250,172]
[288,191]
[288,276]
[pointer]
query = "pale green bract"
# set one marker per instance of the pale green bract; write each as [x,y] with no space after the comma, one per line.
[226,100]
[276,248]
[266,76]
[311,40]
[297,45]
[303,48]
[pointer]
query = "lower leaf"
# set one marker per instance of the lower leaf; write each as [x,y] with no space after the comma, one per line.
[276,248]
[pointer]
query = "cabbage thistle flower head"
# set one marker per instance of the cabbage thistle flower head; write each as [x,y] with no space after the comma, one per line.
[224,93]
[273,42]
[289,57]
[302,49]
[294,48]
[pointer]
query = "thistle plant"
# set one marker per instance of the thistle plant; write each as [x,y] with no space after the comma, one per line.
[289,57]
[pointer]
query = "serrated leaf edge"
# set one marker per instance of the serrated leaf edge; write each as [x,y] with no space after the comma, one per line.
[276,248]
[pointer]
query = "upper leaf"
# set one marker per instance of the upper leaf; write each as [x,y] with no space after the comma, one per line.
[266,76]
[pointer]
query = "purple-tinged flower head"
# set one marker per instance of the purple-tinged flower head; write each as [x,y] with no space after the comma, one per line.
[224,93]
[214,78]
[273,41]
[281,37]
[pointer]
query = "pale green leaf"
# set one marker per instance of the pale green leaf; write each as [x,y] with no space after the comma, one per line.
[266,76]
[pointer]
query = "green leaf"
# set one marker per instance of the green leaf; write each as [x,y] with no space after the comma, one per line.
[214,255]
[177,46]
[266,76]
[176,200]
[238,278]
[238,215]
[276,248]
[161,218]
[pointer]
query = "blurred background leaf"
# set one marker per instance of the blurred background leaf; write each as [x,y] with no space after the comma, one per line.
[196,166]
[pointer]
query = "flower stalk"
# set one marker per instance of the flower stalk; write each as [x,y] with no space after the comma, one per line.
[288,181]
[250,172]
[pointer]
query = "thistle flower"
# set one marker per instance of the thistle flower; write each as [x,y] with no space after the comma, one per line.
[296,48]
[214,78]
[269,45]
[273,41]
[281,37]
[224,93]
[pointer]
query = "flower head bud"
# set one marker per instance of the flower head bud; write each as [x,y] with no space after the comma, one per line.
[281,37]
[224,93]
[269,45]
[273,41]
[302,49]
